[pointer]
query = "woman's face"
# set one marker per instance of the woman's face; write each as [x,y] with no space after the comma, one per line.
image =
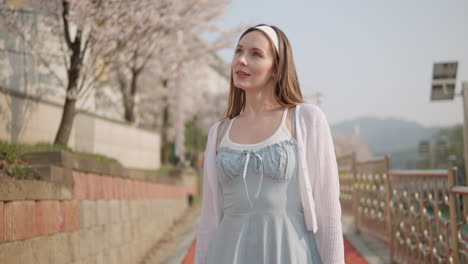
[252,65]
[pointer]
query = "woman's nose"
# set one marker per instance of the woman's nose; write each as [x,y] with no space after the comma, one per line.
[241,60]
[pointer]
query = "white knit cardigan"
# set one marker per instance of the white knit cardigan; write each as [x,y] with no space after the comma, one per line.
[319,186]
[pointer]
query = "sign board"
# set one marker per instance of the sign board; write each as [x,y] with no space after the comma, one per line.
[444,77]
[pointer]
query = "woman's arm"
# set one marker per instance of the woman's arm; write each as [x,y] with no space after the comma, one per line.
[326,189]
[211,211]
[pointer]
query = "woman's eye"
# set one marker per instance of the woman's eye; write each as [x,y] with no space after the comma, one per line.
[238,50]
[256,54]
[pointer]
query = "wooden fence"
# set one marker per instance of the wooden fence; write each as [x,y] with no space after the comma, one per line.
[414,211]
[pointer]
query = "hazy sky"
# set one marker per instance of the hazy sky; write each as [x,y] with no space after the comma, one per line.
[369,58]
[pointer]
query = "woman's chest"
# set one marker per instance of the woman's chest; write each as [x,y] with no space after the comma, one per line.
[277,161]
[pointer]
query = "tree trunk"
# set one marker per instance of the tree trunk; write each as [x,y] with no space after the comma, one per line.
[129,104]
[129,96]
[165,146]
[130,111]
[68,115]
[66,123]
[126,97]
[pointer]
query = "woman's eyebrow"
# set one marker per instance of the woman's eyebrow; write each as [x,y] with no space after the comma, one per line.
[240,46]
[257,49]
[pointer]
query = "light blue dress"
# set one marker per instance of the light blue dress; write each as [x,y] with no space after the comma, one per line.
[263,220]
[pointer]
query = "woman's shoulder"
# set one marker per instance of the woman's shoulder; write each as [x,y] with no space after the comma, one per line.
[215,126]
[310,111]
[220,124]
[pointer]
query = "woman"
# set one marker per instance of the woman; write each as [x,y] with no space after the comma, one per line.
[271,189]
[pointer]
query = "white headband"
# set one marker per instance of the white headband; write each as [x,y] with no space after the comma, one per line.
[271,33]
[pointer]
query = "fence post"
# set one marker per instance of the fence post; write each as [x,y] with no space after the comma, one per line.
[355,194]
[453,218]
[388,215]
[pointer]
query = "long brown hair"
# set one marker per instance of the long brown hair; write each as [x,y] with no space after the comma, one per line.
[287,89]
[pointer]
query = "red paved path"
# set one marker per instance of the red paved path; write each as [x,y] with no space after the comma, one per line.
[352,256]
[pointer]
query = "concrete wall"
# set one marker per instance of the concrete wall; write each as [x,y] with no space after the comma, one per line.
[28,120]
[75,215]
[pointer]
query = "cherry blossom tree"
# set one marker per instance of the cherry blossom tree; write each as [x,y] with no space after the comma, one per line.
[182,94]
[88,41]
[164,36]
[176,48]
[81,36]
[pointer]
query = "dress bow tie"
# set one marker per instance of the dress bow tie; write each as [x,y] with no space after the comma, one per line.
[248,154]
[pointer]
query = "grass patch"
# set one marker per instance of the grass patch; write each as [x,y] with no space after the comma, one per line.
[98,157]
[165,170]
[12,152]
[18,170]
[12,164]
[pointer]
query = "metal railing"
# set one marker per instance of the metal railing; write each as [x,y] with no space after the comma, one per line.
[346,167]
[459,197]
[420,216]
[372,197]
[414,211]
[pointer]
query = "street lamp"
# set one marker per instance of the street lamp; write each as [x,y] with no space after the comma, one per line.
[444,76]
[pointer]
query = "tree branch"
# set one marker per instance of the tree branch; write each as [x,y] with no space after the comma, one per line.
[66,26]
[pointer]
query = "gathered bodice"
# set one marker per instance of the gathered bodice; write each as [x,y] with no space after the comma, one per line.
[275,158]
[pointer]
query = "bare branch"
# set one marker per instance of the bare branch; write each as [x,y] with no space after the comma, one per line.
[66,26]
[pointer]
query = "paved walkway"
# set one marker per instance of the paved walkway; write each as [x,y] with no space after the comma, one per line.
[372,249]
[177,240]
[179,247]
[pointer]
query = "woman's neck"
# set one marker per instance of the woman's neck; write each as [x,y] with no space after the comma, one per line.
[260,101]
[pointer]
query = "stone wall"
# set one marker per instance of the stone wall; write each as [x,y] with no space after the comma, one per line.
[84,211]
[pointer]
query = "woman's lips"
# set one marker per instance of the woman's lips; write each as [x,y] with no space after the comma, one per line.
[242,75]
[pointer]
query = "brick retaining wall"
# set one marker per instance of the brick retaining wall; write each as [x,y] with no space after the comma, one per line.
[74,215]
